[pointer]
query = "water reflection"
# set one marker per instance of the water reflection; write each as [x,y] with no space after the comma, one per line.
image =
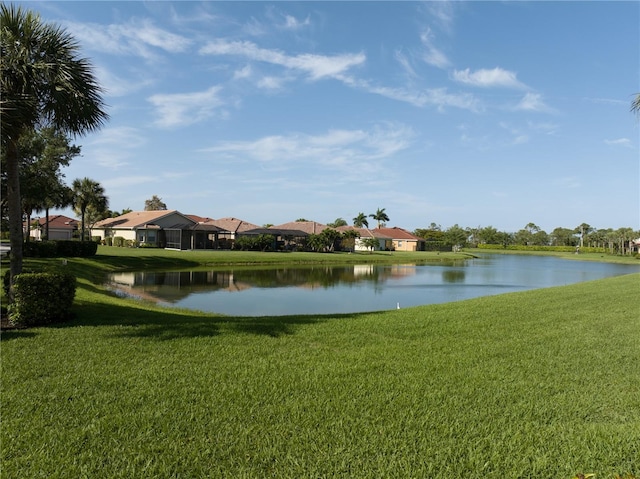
[251,291]
[172,286]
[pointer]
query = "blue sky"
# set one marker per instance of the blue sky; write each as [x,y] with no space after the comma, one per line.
[471,113]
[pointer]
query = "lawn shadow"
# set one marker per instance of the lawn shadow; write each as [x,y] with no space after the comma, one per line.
[153,322]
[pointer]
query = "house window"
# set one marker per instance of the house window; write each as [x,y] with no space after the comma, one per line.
[400,244]
[151,236]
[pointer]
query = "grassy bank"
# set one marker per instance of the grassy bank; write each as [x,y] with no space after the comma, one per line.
[535,384]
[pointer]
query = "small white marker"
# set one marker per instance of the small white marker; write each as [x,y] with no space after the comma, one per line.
[398,306]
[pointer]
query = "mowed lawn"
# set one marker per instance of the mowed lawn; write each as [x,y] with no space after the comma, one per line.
[541,383]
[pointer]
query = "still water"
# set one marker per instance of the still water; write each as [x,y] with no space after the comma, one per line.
[275,291]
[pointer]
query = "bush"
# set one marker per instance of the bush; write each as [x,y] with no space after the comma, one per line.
[118,241]
[42,298]
[60,248]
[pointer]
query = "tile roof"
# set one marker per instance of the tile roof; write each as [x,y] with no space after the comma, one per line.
[58,222]
[397,234]
[363,232]
[135,219]
[234,225]
[308,227]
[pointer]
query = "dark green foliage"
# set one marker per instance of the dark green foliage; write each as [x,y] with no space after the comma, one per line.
[557,249]
[262,242]
[42,298]
[60,248]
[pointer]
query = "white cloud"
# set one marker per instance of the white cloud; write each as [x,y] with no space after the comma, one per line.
[116,86]
[137,38]
[120,136]
[111,147]
[347,150]
[271,82]
[405,63]
[497,77]
[292,23]
[619,142]
[315,66]
[443,13]
[183,109]
[432,55]
[532,102]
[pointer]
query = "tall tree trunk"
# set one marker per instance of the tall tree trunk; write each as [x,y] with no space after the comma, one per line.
[14,209]
[46,225]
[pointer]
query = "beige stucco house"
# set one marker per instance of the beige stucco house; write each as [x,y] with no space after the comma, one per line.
[164,228]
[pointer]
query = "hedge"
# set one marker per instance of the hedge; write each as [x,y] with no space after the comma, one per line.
[560,249]
[42,298]
[59,248]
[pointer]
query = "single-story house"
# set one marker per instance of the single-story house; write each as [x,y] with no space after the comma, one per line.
[384,242]
[401,239]
[162,228]
[230,228]
[60,228]
[294,234]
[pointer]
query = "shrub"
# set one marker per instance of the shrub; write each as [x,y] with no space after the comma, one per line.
[60,248]
[108,241]
[118,241]
[42,298]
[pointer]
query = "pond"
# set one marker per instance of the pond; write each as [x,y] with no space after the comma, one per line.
[284,290]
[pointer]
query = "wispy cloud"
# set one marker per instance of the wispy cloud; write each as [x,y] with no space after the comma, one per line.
[346,150]
[443,12]
[533,102]
[432,55]
[496,77]
[626,142]
[182,109]
[292,23]
[112,147]
[314,66]
[136,38]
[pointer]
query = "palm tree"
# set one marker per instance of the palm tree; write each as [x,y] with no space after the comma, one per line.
[43,81]
[88,194]
[361,221]
[635,105]
[380,216]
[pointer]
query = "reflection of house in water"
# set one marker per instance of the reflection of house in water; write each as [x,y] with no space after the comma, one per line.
[172,286]
[363,269]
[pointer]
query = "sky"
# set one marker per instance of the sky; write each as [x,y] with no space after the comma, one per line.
[450,112]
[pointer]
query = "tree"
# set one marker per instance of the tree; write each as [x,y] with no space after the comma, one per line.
[456,236]
[371,243]
[337,223]
[584,229]
[154,204]
[361,221]
[380,216]
[88,194]
[635,105]
[42,153]
[43,82]
[348,240]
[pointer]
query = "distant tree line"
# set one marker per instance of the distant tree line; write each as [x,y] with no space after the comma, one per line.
[583,236]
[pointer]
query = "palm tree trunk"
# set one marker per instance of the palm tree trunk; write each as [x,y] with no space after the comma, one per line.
[46,226]
[14,209]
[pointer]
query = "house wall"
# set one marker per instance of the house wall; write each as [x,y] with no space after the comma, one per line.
[54,234]
[404,245]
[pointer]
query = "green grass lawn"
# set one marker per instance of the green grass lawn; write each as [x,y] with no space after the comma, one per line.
[541,383]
